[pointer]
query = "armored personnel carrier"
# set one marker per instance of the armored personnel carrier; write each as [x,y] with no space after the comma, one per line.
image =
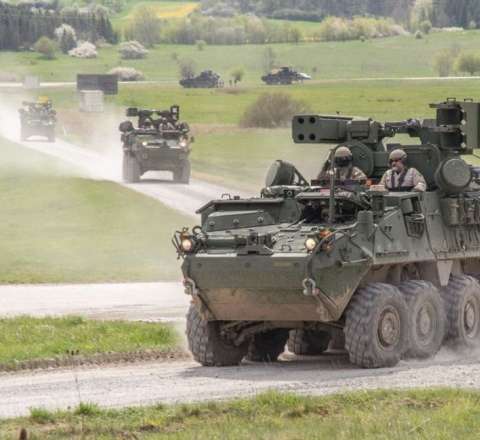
[160,142]
[206,80]
[395,271]
[38,119]
[284,76]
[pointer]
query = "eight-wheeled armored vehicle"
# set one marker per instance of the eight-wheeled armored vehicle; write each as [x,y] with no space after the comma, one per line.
[284,76]
[160,142]
[395,271]
[206,80]
[38,119]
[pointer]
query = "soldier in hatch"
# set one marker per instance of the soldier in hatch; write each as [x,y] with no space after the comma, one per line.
[400,177]
[343,167]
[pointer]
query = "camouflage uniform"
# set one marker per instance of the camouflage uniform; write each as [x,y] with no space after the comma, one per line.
[408,179]
[344,173]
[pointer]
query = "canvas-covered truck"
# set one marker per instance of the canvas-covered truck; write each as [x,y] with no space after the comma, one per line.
[38,119]
[395,271]
[159,142]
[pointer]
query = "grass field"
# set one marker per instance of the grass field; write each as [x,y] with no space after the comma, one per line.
[429,414]
[389,57]
[56,228]
[33,339]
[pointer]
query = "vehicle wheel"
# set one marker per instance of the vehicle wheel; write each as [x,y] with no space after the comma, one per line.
[207,345]
[266,347]
[462,305]
[376,326]
[182,175]
[427,315]
[308,342]
[337,341]
[131,169]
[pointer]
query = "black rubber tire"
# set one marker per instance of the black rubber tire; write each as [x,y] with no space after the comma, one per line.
[266,347]
[131,169]
[427,318]
[308,342]
[462,304]
[373,307]
[337,341]
[206,344]
[182,175]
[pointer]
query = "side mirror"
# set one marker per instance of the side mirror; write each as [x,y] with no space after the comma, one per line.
[132,112]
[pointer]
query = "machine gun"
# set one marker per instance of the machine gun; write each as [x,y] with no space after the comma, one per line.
[156,120]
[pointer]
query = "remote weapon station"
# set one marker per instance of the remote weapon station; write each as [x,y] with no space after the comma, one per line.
[394,272]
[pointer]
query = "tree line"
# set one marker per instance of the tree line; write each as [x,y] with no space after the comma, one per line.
[23,24]
[440,13]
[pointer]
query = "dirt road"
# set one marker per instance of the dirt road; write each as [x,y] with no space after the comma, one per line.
[132,301]
[174,382]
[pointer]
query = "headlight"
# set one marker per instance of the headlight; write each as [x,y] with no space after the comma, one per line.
[183,143]
[310,244]
[186,244]
[145,144]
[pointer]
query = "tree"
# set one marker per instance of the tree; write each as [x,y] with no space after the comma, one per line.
[296,35]
[237,74]
[468,63]
[425,26]
[145,27]
[45,47]
[187,68]
[444,62]
[268,59]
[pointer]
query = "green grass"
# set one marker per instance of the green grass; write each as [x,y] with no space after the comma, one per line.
[389,57]
[393,415]
[30,339]
[57,228]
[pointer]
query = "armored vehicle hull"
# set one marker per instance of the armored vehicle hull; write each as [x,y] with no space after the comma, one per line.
[161,144]
[284,76]
[395,271]
[206,80]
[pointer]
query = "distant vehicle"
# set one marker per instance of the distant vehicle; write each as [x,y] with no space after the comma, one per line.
[284,76]
[159,143]
[38,119]
[206,80]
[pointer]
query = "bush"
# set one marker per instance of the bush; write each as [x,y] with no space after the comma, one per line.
[84,50]
[66,37]
[45,47]
[200,44]
[468,63]
[237,74]
[272,110]
[444,62]
[132,50]
[187,68]
[425,26]
[418,35]
[145,27]
[127,74]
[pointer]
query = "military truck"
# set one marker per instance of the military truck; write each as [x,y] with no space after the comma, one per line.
[284,76]
[395,271]
[38,119]
[160,142]
[206,80]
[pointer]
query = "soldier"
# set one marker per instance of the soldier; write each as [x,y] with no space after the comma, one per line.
[344,169]
[400,177]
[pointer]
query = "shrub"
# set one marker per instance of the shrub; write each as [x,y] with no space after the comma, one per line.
[127,74]
[200,44]
[418,35]
[425,26]
[45,47]
[237,74]
[132,50]
[272,110]
[84,50]
[187,68]
[66,37]
[468,63]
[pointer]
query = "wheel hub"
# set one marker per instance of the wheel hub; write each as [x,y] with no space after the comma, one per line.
[470,320]
[389,328]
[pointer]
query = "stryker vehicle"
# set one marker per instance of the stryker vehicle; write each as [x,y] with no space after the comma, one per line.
[206,80]
[284,76]
[38,119]
[396,271]
[159,143]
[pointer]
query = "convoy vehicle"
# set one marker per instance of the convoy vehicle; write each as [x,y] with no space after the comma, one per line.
[284,76]
[396,271]
[160,142]
[206,80]
[38,119]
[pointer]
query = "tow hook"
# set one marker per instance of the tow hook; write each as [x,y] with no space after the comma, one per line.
[190,287]
[310,287]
